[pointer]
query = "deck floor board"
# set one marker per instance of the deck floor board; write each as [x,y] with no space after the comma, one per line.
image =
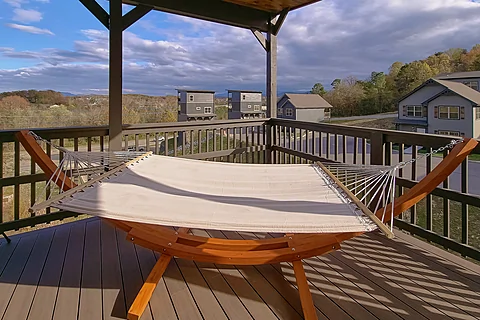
[87,269]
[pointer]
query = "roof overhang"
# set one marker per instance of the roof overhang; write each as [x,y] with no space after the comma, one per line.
[249,14]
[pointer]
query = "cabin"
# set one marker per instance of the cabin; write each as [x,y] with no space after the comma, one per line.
[245,104]
[303,107]
[194,105]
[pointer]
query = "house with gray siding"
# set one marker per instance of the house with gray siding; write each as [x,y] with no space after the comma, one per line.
[439,106]
[195,105]
[245,104]
[303,107]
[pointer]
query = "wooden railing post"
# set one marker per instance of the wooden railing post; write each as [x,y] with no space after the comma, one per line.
[268,137]
[376,148]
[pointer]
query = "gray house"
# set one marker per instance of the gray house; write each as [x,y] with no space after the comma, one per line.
[195,105]
[244,104]
[447,107]
[303,107]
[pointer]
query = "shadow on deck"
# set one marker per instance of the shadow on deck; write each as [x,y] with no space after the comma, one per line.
[87,270]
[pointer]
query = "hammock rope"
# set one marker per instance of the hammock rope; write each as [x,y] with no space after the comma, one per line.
[372,185]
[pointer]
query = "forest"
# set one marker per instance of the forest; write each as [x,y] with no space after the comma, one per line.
[351,96]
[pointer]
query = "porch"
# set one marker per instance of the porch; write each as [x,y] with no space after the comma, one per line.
[88,270]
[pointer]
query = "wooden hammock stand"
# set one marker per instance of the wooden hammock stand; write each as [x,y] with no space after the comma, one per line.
[290,248]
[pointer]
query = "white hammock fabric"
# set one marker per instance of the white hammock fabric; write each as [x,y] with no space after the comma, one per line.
[284,198]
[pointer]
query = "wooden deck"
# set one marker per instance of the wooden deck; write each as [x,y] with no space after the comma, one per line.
[86,270]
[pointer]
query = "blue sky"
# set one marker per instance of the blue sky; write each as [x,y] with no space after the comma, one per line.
[58,44]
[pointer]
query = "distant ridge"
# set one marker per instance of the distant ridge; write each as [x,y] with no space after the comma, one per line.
[68,94]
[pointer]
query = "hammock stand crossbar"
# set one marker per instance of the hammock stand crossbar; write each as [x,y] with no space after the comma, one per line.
[290,248]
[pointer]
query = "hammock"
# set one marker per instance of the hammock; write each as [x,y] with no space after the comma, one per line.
[316,205]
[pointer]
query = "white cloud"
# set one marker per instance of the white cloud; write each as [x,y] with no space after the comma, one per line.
[26,16]
[328,40]
[15,3]
[29,29]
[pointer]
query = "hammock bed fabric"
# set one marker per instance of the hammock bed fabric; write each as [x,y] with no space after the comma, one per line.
[223,196]
[142,196]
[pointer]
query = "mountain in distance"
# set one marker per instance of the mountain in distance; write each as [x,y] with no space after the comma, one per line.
[68,94]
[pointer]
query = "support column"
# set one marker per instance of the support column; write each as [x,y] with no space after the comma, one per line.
[115,76]
[271,72]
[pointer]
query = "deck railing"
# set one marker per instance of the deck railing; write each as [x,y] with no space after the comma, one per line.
[450,216]
[22,183]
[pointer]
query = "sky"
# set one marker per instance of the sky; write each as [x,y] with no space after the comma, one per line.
[59,45]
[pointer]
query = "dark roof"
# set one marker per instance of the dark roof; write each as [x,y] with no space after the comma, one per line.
[457,88]
[306,101]
[410,121]
[458,75]
[193,90]
[249,14]
[246,91]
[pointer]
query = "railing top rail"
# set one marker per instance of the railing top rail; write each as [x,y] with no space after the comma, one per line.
[91,131]
[394,136]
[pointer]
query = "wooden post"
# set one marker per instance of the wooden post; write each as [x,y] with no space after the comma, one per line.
[376,148]
[271,72]
[308,307]
[271,92]
[115,76]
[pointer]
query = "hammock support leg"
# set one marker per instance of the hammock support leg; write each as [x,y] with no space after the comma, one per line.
[309,311]
[143,297]
[145,294]
[6,237]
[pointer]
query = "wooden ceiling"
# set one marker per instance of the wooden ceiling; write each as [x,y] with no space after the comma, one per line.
[250,14]
[274,6]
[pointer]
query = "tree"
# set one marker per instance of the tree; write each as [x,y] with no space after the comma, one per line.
[471,60]
[318,89]
[345,97]
[13,102]
[440,63]
[412,75]
[336,82]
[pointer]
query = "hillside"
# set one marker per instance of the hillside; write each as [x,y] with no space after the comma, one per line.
[377,94]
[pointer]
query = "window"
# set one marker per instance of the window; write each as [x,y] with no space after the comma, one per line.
[249,106]
[190,97]
[472,84]
[289,112]
[198,108]
[448,112]
[256,107]
[279,111]
[477,113]
[449,133]
[207,110]
[414,111]
[243,97]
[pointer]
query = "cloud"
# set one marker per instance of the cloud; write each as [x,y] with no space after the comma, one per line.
[29,29]
[330,39]
[26,16]
[15,3]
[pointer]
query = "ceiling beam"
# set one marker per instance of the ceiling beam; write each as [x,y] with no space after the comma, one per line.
[97,11]
[279,21]
[212,10]
[134,15]
[261,38]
